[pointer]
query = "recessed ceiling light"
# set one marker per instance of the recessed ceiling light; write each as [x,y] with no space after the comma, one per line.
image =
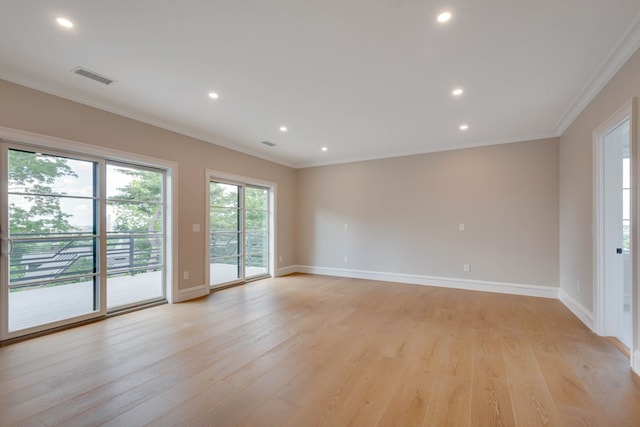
[283,128]
[64,22]
[213,95]
[324,148]
[464,127]
[444,17]
[457,91]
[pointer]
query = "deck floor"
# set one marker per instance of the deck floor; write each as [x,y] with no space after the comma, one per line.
[40,306]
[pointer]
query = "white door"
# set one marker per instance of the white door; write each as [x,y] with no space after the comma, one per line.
[616,232]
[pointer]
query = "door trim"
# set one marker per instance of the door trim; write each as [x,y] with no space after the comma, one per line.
[627,111]
[80,149]
[229,178]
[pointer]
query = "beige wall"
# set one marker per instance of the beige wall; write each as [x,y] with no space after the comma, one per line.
[33,111]
[403,214]
[576,182]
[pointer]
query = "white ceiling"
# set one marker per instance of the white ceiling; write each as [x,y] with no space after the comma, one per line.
[365,78]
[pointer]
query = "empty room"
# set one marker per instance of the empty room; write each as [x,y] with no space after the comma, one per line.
[330,213]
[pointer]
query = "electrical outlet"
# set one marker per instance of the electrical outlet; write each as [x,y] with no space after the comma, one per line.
[462,226]
[280,259]
[346,260]
[185,275]
[346,227]
[466,268]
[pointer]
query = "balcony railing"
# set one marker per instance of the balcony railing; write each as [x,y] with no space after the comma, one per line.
[36,260]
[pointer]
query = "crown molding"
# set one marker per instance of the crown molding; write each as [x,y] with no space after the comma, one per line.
[612,63]
[436,149]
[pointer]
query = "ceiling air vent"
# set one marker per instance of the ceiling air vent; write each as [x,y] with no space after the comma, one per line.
[93,76]
[268,143]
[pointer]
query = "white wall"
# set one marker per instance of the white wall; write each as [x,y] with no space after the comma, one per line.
[576,183]
[403,214]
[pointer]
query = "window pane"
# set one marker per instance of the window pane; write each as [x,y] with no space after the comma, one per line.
[129,183]
[134,217]
[50,259]
[257,242]
[626,173]
[626,204]
[139,253]
[257,264]
[56,300]
[223,195]
[225,270]
[224,243]
[626,235]
[257,220]
[224,219]
[257,198]
[45,174]
[40,215]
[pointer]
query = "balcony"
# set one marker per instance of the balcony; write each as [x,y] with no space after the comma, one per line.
[52,277]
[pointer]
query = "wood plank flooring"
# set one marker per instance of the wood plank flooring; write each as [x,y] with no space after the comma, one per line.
[323,351]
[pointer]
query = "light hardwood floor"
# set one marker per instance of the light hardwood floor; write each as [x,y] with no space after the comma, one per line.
[322,351]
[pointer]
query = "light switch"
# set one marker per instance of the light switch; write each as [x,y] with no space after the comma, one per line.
[196,228]
[461,226]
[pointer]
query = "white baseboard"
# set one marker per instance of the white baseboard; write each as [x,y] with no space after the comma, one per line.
[444,282]
[287,270]
[576,308]
[191,293]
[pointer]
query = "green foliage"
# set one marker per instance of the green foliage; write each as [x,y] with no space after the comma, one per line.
[224,203]
[27,168]
[132,214]
[225,216]
[35,174]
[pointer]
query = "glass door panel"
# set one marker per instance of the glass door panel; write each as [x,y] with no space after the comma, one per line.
[53,241]
[626,236]
[225,229]
[257,231]
[135,235]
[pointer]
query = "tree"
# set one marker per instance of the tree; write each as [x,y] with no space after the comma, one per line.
[34,175]
[137,210]
[132,214]
[224,216]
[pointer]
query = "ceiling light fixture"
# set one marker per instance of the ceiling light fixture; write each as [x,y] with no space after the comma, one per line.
[324,148]
[457,91]
[464,127]
[444,17]
[213,95]
[64,22]
[283,128]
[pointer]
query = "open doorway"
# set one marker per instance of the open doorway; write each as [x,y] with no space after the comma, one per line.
[614,306]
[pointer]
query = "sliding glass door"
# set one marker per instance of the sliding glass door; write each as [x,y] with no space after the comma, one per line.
[239,232]
[81,236]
